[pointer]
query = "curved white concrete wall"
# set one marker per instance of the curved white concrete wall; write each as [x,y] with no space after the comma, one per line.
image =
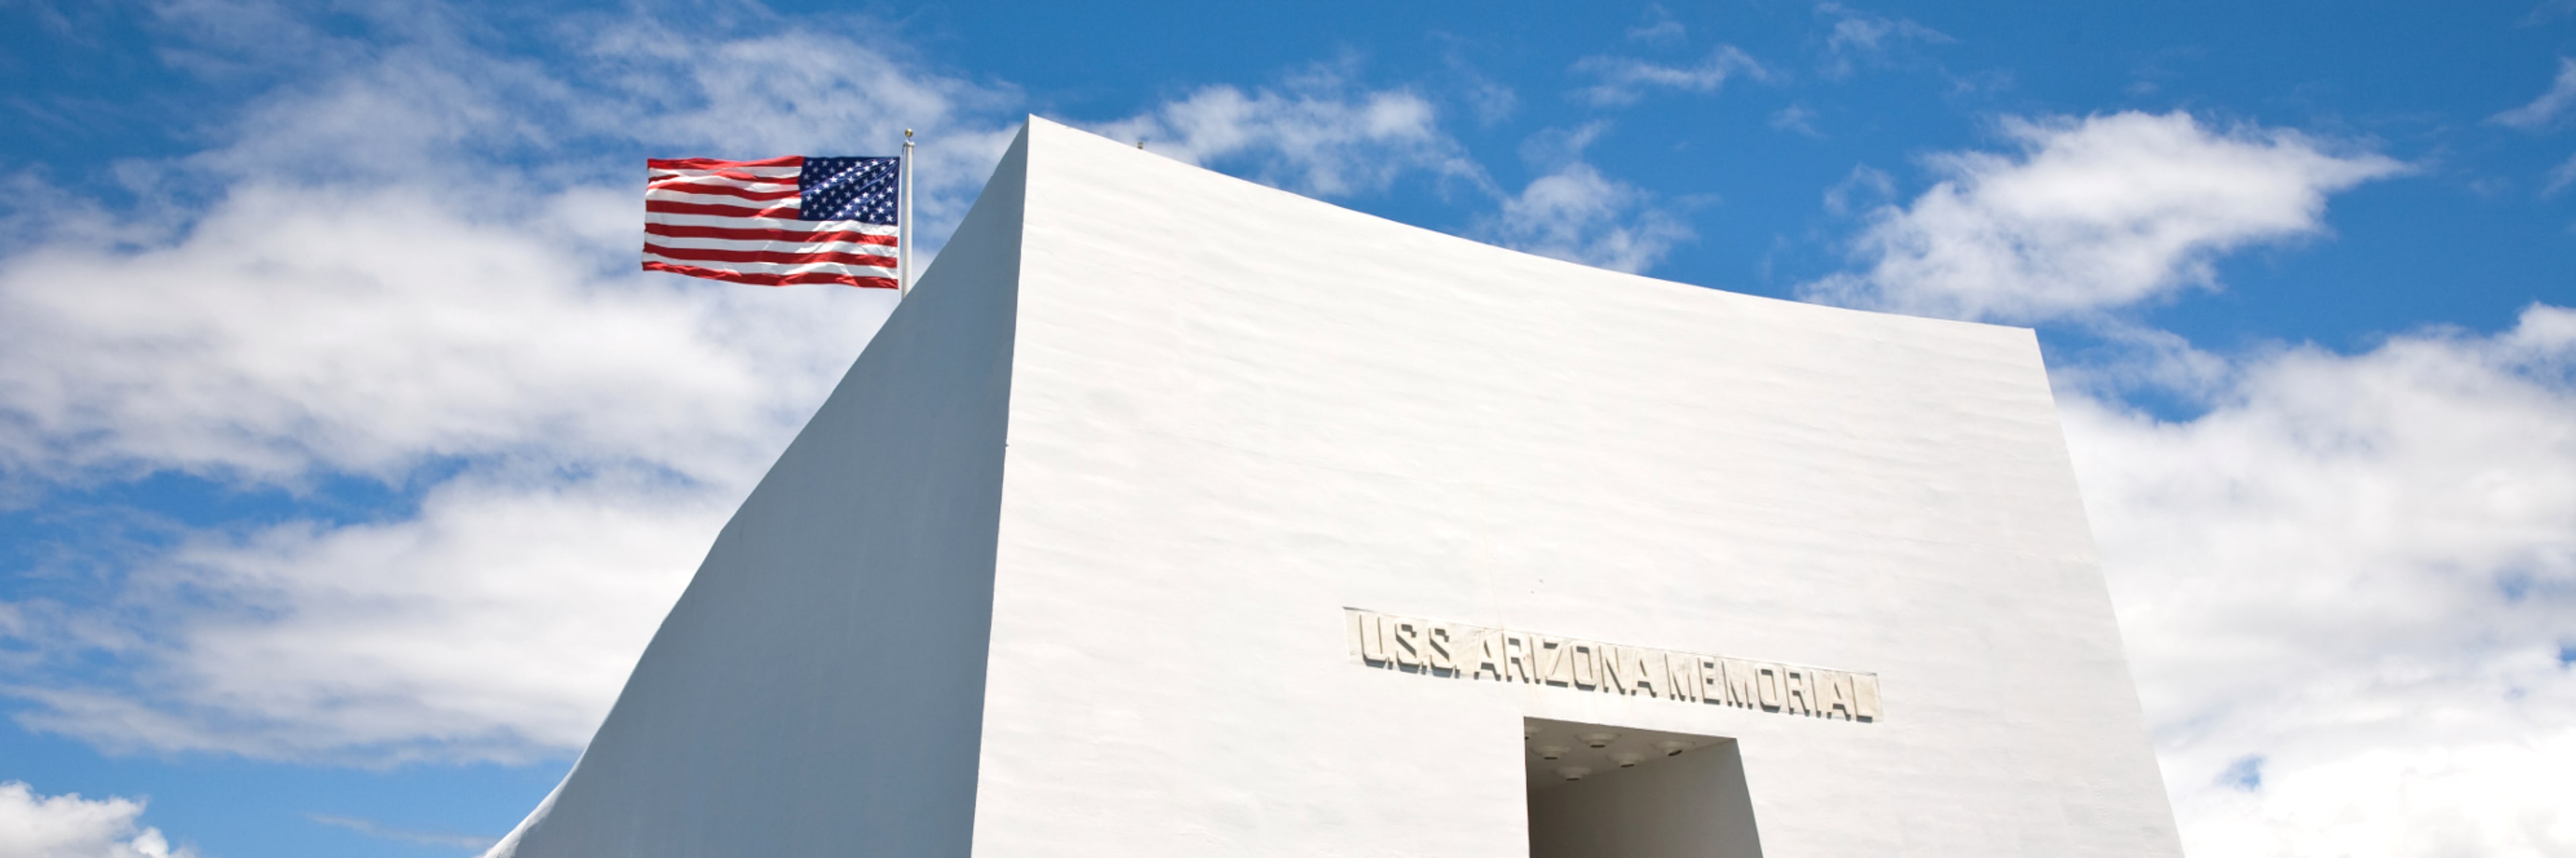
[1236,412]
[1233,415]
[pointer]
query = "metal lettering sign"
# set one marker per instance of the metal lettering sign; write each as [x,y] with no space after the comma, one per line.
[1459,651]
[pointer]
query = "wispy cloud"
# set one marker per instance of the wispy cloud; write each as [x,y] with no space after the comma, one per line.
[1864,186]
[2561,176]
[1859,37]
[2089,215]
[1625,80]
[1317,133]
[428,838]
[1658,26]
[2545,109]
[1576,213]
[1798,119]
[1490,100]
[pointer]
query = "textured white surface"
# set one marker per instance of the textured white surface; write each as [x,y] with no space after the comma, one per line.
[1233,413]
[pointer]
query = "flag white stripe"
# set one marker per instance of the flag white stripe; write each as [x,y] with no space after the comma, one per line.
[667,196]
[789,173]
[885,250]
[658,184]
[769,223]
[776,268]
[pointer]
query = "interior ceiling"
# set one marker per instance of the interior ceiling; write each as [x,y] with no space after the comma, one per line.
[1572,743]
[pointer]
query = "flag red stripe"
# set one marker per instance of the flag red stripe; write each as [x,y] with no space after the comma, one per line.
[730,178]
[721,190]
[692,201]
[758,234]
[773,279]
[717,164]
[666,207]
[705,254]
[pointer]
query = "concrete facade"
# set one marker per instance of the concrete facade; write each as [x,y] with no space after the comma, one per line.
[1068,564]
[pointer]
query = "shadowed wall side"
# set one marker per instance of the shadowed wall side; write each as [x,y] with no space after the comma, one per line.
[819,688]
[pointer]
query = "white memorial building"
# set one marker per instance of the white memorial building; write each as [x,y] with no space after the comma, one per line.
[1175,515]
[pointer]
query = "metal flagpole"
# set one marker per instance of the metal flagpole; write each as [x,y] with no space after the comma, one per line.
[903,220]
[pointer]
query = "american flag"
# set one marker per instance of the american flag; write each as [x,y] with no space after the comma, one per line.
[774,222]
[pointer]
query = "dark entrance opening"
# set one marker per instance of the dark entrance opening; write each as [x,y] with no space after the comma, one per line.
[1597,791]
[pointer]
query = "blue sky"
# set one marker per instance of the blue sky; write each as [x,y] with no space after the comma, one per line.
[346,462]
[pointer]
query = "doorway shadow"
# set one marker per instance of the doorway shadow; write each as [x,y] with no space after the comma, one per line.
[1600,791]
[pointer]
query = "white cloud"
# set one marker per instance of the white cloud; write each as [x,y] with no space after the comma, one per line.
[405,113]
[1573,212]
[68,826]
[2090,215]
[2349,592]
[380,832]
[1317,135]
[1658,26]
[2561,176]
[2126,358]
[2348,585]
[1578,214]
[580,427]
[2504,797]
[368,331]
[2541,111]
[795,92]
[1624,80]
[1797,118]
[497,624]
[575,430]
[404,266]
[1490,100]
[1859,37]
[1863,186]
